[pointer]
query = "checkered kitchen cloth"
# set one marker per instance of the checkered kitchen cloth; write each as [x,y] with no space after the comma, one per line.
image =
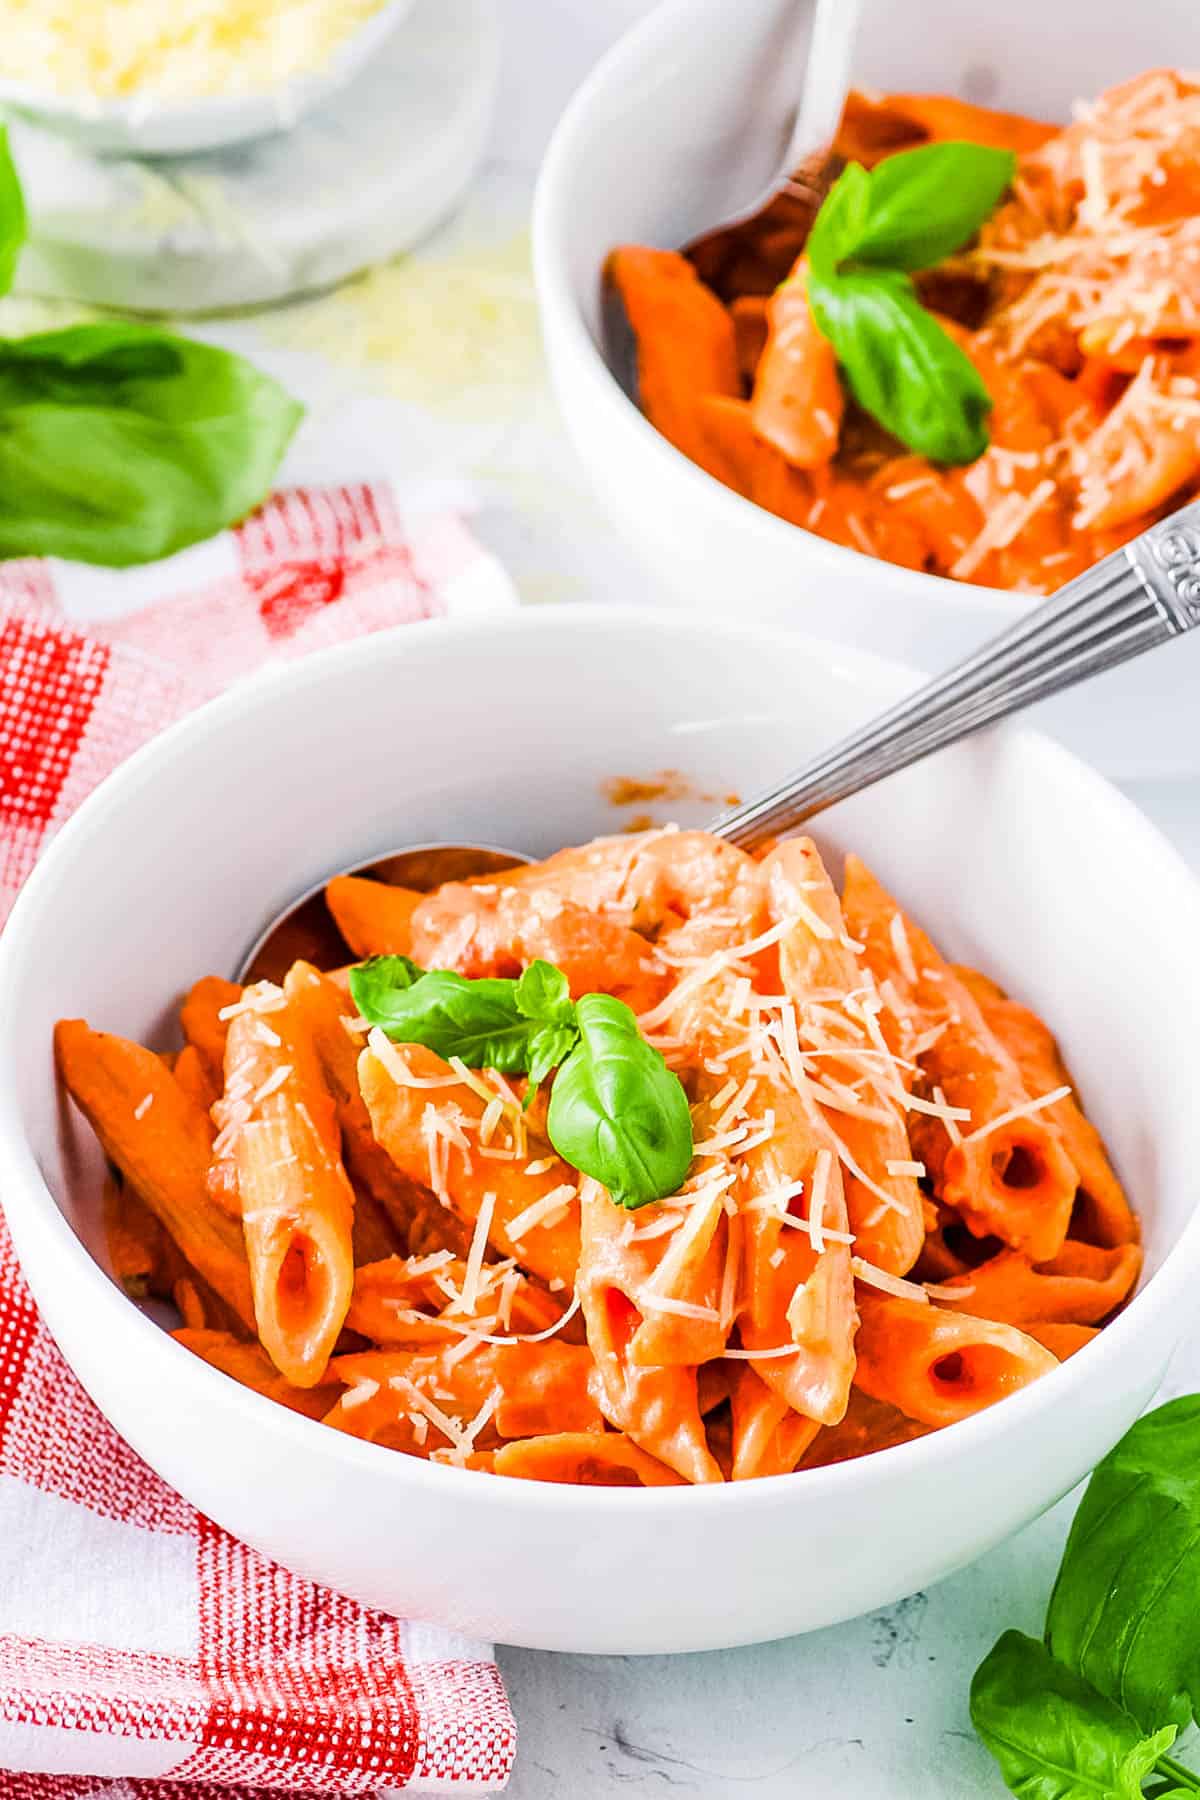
[144,1653]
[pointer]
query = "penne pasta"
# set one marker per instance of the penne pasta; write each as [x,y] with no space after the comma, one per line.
[385,1198]
[769,1438]
[249,1364]
[374,918]
[424,1402]
[204,1027]
[797,1291]
[686,344]
[404,1301]
[585,1459]
[433,1134]
[658,1408]
[1082,1285]
[937,1366]
[279,1124]
[859,1196]
[1061,1340]
[797,400]
[501,931]
[160,1140]
[144,1259]
[869,1425]
[1002,1167]
[1102,1213]
[883,1202]
[196,1078]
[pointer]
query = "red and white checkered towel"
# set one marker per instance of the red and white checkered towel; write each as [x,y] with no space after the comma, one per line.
[145,1654]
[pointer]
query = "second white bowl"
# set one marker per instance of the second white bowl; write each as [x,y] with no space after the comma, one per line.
[680,126]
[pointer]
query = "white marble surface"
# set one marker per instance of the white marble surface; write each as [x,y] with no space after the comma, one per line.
[432,369]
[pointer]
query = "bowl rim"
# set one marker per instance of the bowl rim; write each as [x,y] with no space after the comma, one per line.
[644,43]
[28,1194]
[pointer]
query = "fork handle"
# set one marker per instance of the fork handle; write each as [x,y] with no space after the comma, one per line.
[1138,597]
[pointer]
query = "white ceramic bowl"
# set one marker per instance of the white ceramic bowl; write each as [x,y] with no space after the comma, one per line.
[162,125]
[682,125]
[1019,857]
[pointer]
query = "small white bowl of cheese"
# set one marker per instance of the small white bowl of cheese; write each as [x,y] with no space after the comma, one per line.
[171,77]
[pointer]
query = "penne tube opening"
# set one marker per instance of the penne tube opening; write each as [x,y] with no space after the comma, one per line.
[939,1367]
[301,1299]
[1015,1182]
[972,1376]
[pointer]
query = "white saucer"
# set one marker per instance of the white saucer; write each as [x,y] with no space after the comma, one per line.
[357,180]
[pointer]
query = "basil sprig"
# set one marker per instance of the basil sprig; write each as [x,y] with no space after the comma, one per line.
[522,1027]
[872,232]
[1091,1713]
[616,1111]
[121,443]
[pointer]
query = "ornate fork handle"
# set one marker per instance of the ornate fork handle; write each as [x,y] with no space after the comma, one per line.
[1140,596]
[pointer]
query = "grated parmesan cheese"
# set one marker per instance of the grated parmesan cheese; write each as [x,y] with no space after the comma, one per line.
[479,1238]
[546,1211]
[684,1309]
[949,1115]
[359,1394]
[867,1272]
[1019,1112]
[181,50]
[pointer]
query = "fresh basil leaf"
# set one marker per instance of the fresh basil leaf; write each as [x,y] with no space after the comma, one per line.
[901,366]
[374,982]
[1125,1611]
[13,221]
[923,205]
[616,1111]
[520,1027]
[477,1021]
[1053,1736]
[120,443]
[839,225]
[549,1046]
[543,993]
[88,359]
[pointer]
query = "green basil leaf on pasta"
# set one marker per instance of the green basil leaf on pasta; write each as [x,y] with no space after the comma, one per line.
[922,205]
[375,982]
[616,1111]
[901,366]
[542,992]
[476,1021]
[841,221]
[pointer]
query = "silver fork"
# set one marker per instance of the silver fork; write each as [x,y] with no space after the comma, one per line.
[1139,597]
